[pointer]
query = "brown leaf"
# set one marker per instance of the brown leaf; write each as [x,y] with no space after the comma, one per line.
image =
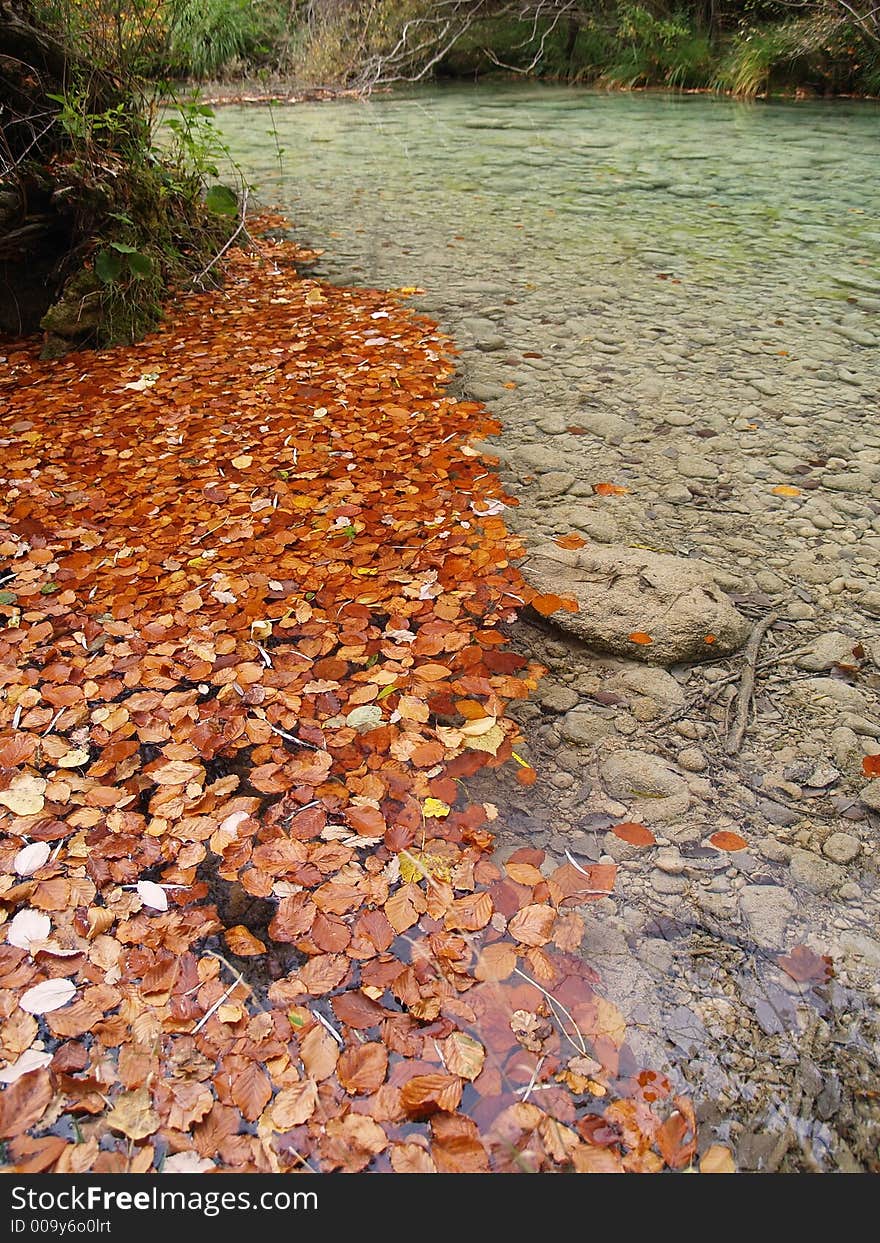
[251,1091]
[533,924]
[295,1105]
[323,973]
[23,1103]
[635,834]
[805,966]
[362,1068]
[728,841]
[319,1053]
[241,941]
[424,1095]
[496,962]
[717,1160]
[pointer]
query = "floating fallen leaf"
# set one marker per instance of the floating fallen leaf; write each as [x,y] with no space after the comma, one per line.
[570,541]
[186,1163]
[496,962]
[609,489]
[463,1055]
[725,840]
[133,1115]
[635,834]
[364,718]
[435,808]
[47,996]
[152,895]
[31,1059]
[784,489]
[31,858]
[73,758]
[639,636]
[28,926]
[25,795]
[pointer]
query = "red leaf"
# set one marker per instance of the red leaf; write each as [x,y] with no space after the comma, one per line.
[871,765]
[635,834]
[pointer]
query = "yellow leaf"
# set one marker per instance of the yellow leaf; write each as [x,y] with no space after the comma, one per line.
[134,1115]
[243,461]
[717,1160]
[490,741]
[785,489]
[435,807]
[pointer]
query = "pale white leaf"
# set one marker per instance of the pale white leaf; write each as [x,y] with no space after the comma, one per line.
[50,995]
[186,1163]
[152,895]
[31,1059]
[31,858]
[28,926]
[364,718]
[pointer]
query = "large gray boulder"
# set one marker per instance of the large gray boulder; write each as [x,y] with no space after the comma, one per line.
[625,591]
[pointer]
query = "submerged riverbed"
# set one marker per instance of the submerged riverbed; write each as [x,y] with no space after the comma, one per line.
[679,295]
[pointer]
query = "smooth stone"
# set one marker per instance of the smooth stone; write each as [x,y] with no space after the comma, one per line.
[584,727]
[870,794]
[624,591]
[646,784]
[767,911]
[827,650]
[815,873]
[841,847]
[692,760]
[556,697]
[858,945]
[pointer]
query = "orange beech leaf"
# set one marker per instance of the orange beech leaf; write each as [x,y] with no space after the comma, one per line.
[245,679]
[533,924]
[785,489]
[546,604]
[635,834]
[496,962]
[242,941]
[362,1069]
[639,636]
[425,1095]
[871,765]
[725,840]
[717,1160]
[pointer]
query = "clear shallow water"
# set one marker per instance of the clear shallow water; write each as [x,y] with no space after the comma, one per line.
[710,190]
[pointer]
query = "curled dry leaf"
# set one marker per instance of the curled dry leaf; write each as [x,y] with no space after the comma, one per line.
[47,996]
[152,895]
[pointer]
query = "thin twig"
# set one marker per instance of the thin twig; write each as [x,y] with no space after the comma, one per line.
[216,1006]
[197,280]
[580,1044]
[747,685]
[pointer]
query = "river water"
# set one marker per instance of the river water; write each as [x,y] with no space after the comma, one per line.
[680,294]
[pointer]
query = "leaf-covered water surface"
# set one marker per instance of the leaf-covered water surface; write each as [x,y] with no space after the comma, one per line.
[254,587]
